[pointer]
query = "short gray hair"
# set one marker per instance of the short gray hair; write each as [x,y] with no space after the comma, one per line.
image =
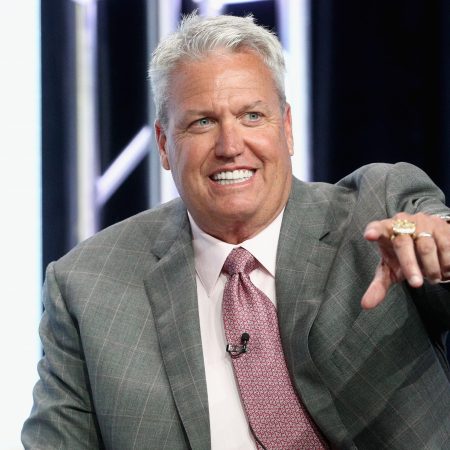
[197,36]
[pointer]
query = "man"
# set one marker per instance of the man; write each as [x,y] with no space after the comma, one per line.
[133,333]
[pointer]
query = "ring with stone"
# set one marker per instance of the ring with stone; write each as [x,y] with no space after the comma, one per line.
[423,234]
[403,227]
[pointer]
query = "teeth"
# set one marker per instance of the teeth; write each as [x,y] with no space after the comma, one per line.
[233,176]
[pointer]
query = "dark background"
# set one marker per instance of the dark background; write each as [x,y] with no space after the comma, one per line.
[380,77]
[381,85]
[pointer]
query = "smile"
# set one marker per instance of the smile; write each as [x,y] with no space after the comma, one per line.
[233,176]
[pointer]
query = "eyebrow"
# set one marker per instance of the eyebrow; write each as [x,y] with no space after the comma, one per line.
[209,112]
[254,105]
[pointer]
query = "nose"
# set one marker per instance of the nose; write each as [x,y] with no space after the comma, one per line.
[229,143]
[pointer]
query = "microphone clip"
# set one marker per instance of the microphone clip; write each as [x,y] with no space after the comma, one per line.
[236,350]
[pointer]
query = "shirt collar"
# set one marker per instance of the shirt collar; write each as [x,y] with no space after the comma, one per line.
[210,253]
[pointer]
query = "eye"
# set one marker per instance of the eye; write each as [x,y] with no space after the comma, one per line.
[203,122]
[201,125]
[252,116]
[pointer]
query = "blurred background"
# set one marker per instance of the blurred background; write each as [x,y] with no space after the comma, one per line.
[367,81]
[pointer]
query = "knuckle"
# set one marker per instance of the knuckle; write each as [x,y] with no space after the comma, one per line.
[401,242]
[445,247]
[401,216]
[425,246]
[433,274]
[421,216]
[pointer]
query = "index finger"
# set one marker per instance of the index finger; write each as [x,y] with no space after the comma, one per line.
[378,229]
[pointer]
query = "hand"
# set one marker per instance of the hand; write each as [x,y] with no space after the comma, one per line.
[406,258]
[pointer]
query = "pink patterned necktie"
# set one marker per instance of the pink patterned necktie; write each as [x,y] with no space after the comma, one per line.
[277,418]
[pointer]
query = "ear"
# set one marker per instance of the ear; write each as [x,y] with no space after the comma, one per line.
[161,140]
[287,119]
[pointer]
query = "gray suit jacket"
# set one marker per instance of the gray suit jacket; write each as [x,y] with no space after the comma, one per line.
[123,365]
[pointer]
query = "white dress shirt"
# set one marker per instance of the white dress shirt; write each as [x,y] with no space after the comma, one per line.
[228,422]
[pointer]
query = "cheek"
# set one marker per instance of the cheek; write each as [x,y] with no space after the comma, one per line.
[175,152]
[192,158]
[183,166]
[267,145]
[272,155]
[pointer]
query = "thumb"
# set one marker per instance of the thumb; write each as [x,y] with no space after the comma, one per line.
[378,288]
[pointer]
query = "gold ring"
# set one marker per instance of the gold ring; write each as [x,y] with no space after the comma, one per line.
[423,234]
[403,227]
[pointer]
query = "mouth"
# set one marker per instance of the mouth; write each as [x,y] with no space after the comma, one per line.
[232,176]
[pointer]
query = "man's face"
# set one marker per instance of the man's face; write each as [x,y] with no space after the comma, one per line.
[228,144]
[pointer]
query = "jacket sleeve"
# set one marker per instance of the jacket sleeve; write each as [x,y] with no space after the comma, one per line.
[406,188]
[387,189]
[63,413]
[409,189]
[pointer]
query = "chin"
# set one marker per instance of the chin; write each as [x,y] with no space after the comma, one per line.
[235,213]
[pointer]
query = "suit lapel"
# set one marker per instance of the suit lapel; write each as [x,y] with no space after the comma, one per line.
[308,230]
[172,292]
[304,258]
[307,248]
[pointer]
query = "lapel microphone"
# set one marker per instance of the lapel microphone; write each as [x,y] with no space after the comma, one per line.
[237,350]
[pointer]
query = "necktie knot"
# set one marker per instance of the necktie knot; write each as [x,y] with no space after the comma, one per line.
[239,261]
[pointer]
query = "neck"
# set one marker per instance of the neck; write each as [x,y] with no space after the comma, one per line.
[237,231]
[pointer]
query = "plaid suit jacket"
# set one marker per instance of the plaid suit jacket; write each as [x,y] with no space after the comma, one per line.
[123,365]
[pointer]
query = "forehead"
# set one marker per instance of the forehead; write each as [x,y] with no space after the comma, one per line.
[218,76]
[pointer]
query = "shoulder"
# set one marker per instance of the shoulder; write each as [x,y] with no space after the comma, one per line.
[126,243]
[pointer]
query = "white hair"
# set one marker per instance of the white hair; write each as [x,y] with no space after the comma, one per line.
[197,36]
